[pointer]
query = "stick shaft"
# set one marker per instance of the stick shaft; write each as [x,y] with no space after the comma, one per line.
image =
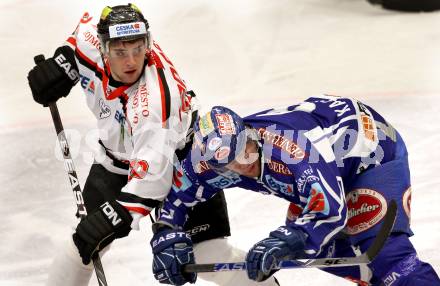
[364,258]
[74,182]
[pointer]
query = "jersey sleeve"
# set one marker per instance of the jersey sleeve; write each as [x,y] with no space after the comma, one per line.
[321,212]
[84,43]
[187,190]
[84,26]
[66,55]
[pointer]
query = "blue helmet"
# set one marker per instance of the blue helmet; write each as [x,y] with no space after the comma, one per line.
[219,137]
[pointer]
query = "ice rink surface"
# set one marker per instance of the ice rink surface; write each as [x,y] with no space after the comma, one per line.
[248,55]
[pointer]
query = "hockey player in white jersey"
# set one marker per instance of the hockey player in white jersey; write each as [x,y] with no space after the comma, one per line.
[144,112]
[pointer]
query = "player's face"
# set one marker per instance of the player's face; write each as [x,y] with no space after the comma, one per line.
[126,60]
[248,162]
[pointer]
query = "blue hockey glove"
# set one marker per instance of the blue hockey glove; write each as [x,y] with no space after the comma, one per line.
[171,250]
[264,256]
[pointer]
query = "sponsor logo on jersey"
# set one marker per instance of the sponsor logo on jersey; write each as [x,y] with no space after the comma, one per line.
[222,182]
[225,124]
[138,169]
[365,209]
[105,109]
[84,81]
[91,87]
[278,167]
[87,84]
[317,201]
[367,121]
[119,116]
[122,30]
[180,180]
[306,177]
[222,153]
[406,201]
[91,39]
[279,186]
[294,211]
[206,125]
[141,97]
[368,127]
[282,143]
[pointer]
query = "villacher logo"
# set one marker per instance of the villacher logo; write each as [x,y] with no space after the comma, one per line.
[365,209]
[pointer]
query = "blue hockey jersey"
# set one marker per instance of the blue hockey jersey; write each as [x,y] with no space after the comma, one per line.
[310,153]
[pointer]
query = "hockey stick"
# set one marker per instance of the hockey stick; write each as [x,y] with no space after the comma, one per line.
[364,258]
[73,178]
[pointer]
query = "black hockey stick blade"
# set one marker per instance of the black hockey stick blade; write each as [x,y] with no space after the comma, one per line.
[364,258]
[384,232]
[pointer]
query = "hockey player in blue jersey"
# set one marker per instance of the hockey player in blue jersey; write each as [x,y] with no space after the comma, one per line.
[336,160]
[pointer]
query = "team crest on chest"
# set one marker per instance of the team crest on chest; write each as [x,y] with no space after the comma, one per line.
[279,186]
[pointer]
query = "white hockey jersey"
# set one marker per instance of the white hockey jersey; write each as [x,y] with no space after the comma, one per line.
[142,124]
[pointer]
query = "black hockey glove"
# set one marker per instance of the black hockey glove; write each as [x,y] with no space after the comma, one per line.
[54,77]
[100,228]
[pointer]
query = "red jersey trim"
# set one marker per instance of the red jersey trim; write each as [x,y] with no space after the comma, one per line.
[141,211]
